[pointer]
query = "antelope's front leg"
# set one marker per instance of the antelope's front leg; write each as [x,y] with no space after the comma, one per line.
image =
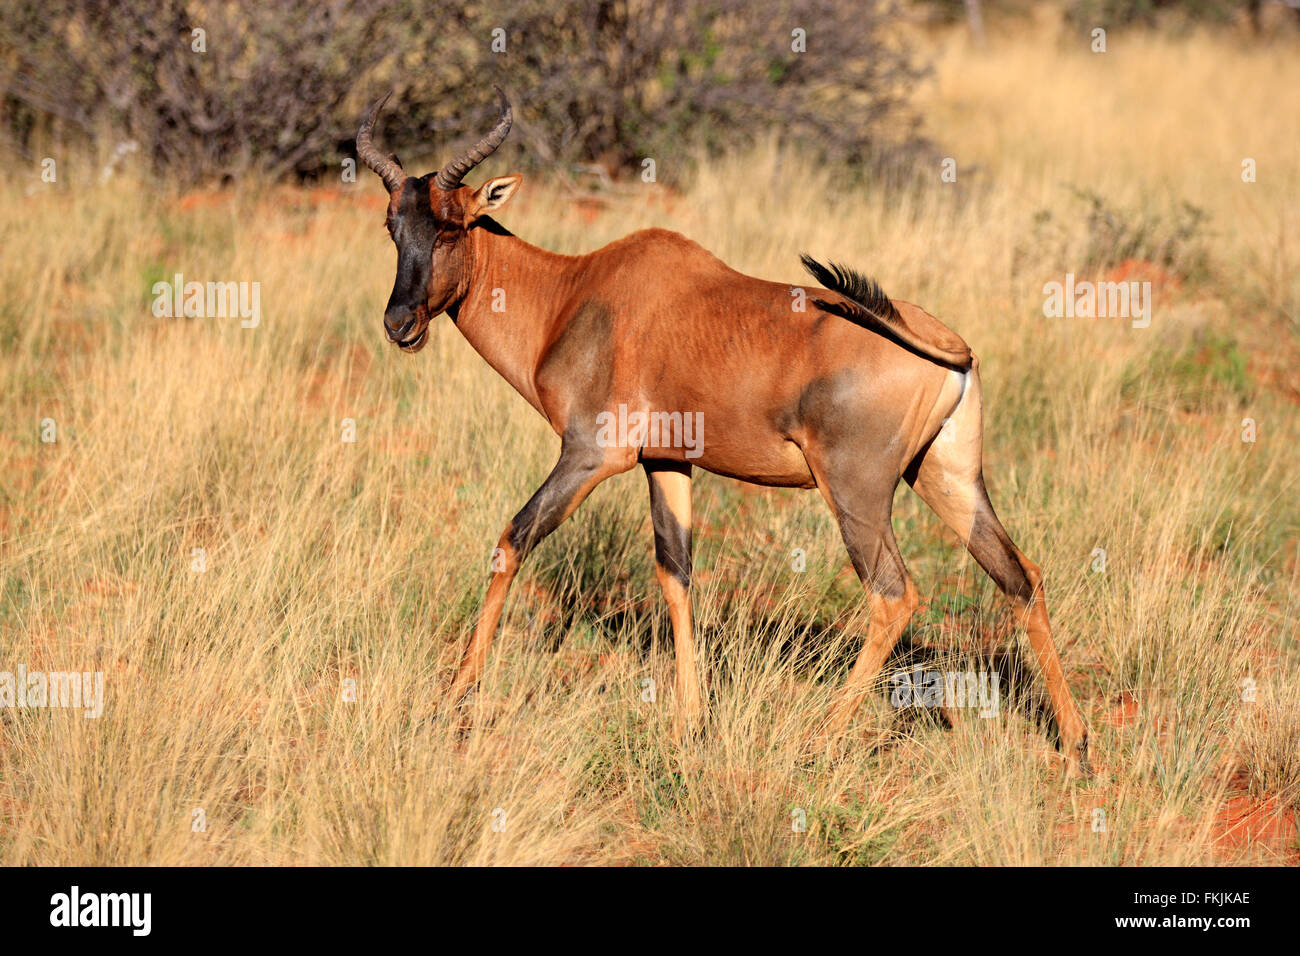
[582,466]
[670,512]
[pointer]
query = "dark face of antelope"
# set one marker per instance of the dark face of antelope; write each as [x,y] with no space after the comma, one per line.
[430,260]
[428,220]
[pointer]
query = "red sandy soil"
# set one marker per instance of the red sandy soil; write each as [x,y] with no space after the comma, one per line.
[1244,820]
[1143,270]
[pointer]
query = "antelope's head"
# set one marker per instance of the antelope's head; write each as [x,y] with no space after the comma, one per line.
[429,218]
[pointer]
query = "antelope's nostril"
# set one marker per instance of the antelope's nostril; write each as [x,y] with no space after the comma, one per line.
[398,332]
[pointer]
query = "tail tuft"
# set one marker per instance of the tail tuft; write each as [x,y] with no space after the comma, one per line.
[863,290]
[869,307]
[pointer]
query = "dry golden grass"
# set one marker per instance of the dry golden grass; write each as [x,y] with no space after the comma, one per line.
[329,561]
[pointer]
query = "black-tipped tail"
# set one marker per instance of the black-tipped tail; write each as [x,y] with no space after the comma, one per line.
[868,306]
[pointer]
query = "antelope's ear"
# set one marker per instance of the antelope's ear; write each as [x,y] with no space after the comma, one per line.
[493,194]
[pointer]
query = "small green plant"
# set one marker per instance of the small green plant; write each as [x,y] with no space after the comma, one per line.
[846,832]
[1207,373]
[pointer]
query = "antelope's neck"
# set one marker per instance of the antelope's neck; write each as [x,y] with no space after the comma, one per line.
[515,297]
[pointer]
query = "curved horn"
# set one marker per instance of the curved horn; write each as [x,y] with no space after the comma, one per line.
[388,169]
[449,176]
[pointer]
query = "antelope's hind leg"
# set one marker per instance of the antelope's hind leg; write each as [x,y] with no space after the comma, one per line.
[949,477]
[670,513]
[862,506]
[582,466]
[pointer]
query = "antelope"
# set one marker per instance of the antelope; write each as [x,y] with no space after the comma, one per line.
[847,397]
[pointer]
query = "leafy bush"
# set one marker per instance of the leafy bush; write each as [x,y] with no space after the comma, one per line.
[278,87]
[1171,240]
[266,85]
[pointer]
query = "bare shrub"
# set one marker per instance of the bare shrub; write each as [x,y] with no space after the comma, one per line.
[278,86]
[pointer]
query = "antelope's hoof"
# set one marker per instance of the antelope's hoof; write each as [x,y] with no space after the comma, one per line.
[1075,751]
[826,741]
[456,694]
[687,726]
